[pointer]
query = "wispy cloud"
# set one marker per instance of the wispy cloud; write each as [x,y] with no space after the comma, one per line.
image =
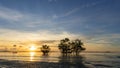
[76,9]
[10,15]
[52,0]
[25,19]
[95,43]
[70,12]
[105,39]
[88,5]
[7,34]
[104,42]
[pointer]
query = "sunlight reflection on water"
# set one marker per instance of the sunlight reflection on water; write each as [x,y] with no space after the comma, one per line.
[32,54]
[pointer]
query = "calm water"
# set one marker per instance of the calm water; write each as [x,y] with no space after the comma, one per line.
[104,60]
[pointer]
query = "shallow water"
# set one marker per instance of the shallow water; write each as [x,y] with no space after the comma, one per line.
[98,60]
[103,60]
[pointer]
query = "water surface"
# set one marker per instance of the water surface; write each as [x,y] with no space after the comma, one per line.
[104,60]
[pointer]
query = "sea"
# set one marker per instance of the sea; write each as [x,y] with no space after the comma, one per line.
[96,60]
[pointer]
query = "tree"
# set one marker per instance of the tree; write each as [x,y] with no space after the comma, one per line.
[14,49]
[67,47]
[78,46]
[45,49]
[64,46]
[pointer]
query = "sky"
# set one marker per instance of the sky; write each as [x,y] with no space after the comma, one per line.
[95,22]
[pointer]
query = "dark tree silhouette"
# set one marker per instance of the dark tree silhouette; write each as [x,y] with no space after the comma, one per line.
[45,49]
[77,46]
[64,46]
[14,49]
[67,47]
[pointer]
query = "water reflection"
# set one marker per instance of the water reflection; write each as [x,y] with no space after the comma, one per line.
[45,58]
[32,54]
[72,61]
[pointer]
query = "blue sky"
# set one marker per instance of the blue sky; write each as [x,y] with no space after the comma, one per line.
[96,22]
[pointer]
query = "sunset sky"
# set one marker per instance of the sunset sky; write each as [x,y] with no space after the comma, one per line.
[95,22]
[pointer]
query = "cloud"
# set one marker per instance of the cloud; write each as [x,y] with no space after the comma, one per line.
[88,5]
[70,12]
[101,42]
[22,19]
[52,0]
[7,34]
[76,9]
[106,39]
[104,42]
[10,15]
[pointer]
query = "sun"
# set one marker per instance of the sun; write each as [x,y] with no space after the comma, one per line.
[32,48]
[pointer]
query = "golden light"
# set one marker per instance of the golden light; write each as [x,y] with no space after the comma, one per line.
[32,54]
[32,48]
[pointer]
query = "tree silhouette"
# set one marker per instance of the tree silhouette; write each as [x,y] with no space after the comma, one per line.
[45,49]
[14,49]
[64,46]
[77,46]
[67,47]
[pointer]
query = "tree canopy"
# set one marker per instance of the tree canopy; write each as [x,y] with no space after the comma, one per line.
[71,47]
[45,49]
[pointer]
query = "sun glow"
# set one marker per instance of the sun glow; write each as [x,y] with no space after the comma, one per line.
[32,48]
